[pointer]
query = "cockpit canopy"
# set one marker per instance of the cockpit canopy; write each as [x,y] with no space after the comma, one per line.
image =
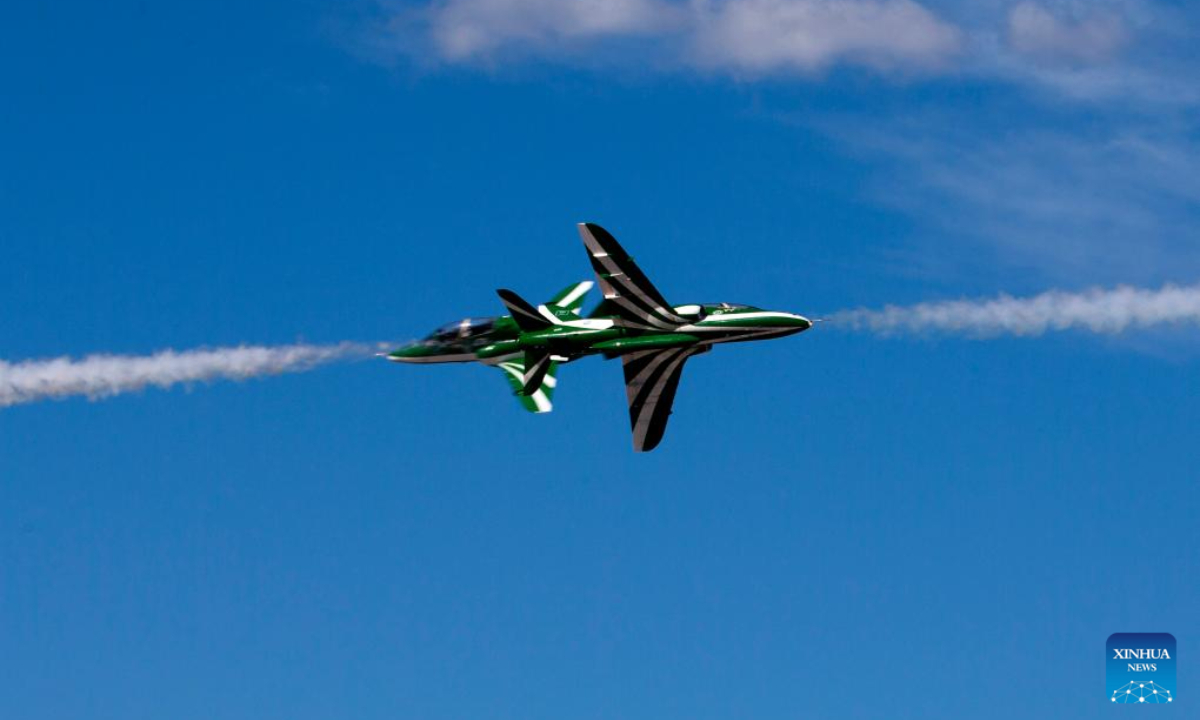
[462,330]
[703,310]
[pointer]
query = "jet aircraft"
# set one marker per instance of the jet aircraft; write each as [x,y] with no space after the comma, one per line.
[634,322]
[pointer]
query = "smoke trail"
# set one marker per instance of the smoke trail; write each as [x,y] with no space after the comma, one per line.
[1097,310]
[99,376]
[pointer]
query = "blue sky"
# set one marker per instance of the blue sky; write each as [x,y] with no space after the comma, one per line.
[836,526]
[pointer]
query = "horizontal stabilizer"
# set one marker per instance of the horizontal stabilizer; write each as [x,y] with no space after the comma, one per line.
[537,364]
[540,400]
[526,316]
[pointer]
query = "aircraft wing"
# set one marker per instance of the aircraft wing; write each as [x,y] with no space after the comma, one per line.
[539,401]
[631,295]
[651,378]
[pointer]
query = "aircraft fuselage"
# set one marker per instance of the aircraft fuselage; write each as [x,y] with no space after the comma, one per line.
[573,339]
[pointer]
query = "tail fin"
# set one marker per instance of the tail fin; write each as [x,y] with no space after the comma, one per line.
[570,298]
[526,316]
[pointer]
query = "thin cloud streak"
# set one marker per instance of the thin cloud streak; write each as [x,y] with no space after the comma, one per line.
[1129,51]
[759,37]
[102,376]
[1098,311]
[1035,31]
[745,38]
[1112,202]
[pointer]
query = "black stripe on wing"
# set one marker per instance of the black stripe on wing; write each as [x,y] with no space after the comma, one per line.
[651,379]
[637,301]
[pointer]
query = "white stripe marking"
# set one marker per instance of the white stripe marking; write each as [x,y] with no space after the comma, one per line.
[575,294]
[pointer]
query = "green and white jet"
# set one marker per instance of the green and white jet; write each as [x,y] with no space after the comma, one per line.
[634,322]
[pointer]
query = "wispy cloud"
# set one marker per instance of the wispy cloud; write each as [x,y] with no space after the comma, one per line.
[466,30]
[1098,50]
[101,376]
[746,38]
[1066,43]
[1117,201]
[1074,151]
[1098,311]
[766,36]
[1091,37]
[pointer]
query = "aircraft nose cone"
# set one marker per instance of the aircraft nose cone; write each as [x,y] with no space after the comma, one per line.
[801,323]
[408,353]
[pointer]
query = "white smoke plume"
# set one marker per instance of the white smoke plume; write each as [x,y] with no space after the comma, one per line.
[1097,310]
[101,376]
